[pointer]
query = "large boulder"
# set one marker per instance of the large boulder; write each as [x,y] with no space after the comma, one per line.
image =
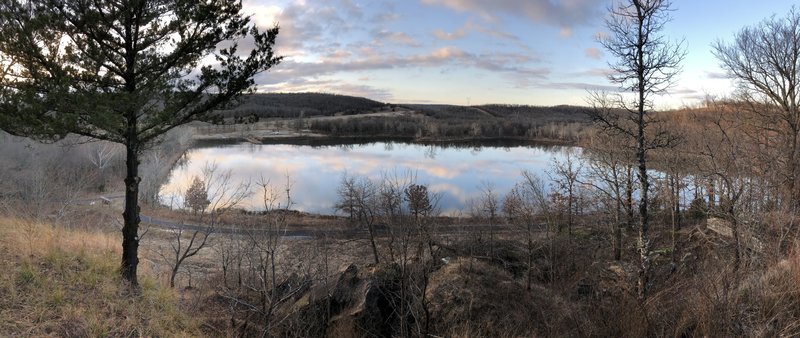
[361,302]
[358,304]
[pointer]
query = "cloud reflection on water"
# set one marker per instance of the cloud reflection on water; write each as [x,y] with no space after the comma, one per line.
[315,172]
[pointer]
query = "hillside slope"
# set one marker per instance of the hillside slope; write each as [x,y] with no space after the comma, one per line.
[289,105]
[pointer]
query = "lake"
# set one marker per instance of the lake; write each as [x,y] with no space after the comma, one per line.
[457,172]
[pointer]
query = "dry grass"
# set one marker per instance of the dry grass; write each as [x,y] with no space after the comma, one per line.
[760,303]
[62,282]
[471,298]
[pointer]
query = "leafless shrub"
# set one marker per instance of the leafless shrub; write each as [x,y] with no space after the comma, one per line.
[221,195]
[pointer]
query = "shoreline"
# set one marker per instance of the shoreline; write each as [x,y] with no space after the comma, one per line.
[312,138]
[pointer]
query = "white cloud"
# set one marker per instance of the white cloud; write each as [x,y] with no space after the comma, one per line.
[263,15]
[593,53]
[449,36]
[516,66]
[395,38]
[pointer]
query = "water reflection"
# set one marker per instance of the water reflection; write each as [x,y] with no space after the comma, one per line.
[316,167]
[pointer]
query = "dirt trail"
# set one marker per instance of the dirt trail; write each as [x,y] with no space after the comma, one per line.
[484,111]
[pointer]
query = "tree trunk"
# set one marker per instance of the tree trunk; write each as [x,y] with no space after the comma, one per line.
[130,229]
[530,260]
[404,331]
[644,241]
[570,203]
[712,195]
[225,275]
[676,218]
[491,236]
[737,255]
[172,277]
[629,198]
[371,229]
[617,231]
[553,258]
[641,155]
[794,193]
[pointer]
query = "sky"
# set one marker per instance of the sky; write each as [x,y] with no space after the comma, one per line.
[469,52]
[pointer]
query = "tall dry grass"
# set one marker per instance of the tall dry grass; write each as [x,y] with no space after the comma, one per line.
[63,282]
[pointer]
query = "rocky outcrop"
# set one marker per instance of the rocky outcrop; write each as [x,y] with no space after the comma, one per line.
[361,302]
[358,304]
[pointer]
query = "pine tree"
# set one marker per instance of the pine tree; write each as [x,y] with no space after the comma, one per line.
[125,71]
[196,197]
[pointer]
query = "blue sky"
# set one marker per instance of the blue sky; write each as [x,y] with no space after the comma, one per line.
[537,52]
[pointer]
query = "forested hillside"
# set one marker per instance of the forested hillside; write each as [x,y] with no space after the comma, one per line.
[289,105]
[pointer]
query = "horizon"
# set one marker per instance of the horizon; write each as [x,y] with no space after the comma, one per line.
[474,52]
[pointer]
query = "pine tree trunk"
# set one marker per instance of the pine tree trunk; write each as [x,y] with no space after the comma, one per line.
[130,230]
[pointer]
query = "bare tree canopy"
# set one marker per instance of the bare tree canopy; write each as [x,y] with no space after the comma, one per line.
[645,61]
[765,61]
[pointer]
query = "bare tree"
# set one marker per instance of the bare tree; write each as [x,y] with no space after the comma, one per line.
[43,180]
[566,173]
[526,205]
[764,60]
[102,154]
[222,194]
[489,204]
[357,197]
[263,283]
[725,162]
[158,161]
[645,64]
[674,167]
[416,266]
[153,166]
[609,173]
[229,248]
[394,212]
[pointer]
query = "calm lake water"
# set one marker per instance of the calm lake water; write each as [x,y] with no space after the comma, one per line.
[455,171]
